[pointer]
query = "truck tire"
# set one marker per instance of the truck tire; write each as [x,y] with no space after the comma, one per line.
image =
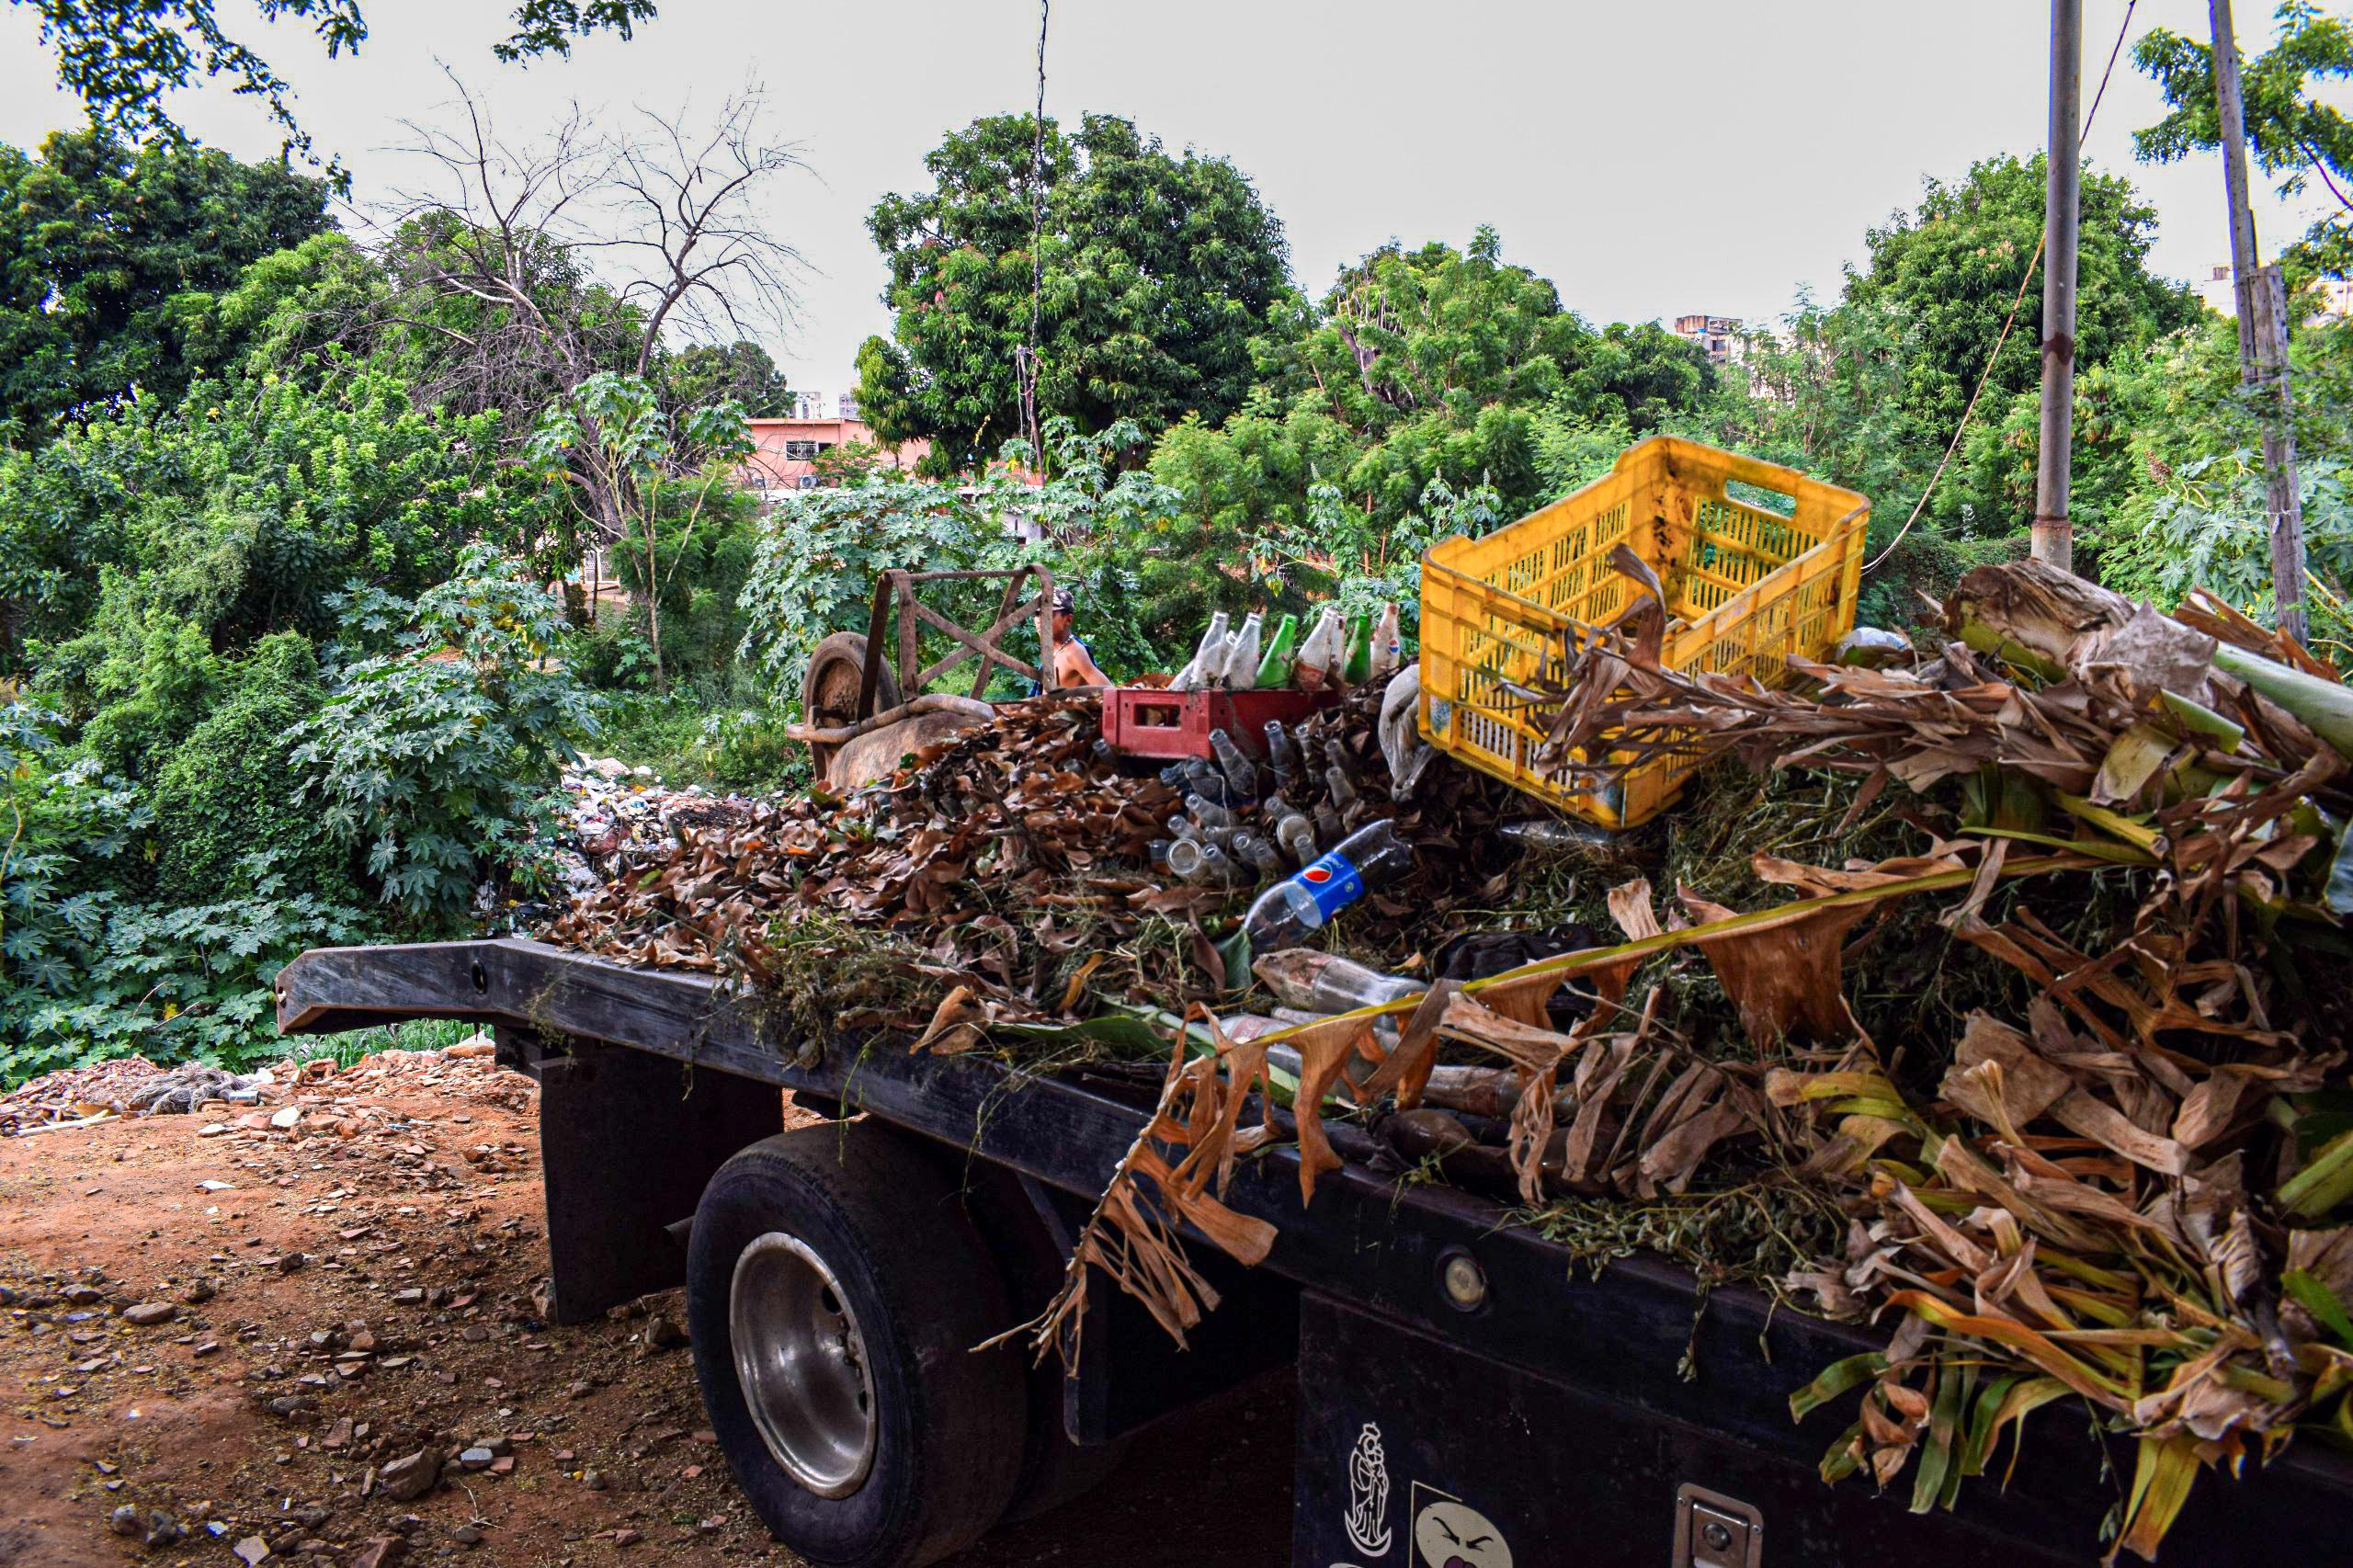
[834,1292]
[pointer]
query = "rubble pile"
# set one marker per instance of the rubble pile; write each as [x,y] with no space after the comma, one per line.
[616,812]
[76,1094]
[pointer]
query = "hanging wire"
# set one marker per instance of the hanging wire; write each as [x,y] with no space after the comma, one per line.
[2010,320]
[1026,356]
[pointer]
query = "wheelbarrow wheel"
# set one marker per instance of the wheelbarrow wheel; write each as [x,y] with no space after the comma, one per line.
[829,692]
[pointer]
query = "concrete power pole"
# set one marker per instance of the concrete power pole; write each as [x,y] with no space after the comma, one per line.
[2055,540]
[2263,338]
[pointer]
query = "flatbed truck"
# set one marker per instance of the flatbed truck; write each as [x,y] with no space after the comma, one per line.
[1469,1396]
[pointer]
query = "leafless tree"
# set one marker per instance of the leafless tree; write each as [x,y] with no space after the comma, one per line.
[539,264]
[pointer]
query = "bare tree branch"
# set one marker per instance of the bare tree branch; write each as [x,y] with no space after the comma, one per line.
[584,250]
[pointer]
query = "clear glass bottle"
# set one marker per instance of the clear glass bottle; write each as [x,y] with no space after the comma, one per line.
[1241,773]
[1242,655]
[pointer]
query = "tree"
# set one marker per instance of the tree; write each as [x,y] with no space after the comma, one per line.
[123,57]
[1157,271]
[814,573]
[443,768]
[1421,368]
[498,267]
[1948,272]
[2293,135]
[242,509]
[109,258]
[607,442]
[704,373]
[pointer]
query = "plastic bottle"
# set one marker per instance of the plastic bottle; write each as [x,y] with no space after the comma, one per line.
[1388,648]
[1327,982]
[1242,655]
[1232,761]
[1286,913]
[1402,747]
[1551,832]
[1357,665]
[1274,665]
[1282,757]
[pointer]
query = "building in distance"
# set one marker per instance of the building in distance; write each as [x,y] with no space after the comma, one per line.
[787,451]
[1718,337]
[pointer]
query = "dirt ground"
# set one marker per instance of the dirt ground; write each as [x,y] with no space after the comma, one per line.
[343,1293]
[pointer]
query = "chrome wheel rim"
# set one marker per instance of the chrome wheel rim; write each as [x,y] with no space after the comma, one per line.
[801,1365]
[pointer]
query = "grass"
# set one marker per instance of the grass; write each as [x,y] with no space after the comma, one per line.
[346,1048]
[719,742]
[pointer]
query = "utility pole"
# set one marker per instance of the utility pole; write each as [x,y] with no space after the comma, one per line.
[2263,338]
[2054,542]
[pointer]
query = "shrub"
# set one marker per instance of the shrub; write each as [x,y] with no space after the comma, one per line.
[439,757]
[232,787]
[739,745]
[169,981]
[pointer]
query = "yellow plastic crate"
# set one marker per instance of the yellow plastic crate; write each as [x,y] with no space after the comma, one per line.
[1746,587]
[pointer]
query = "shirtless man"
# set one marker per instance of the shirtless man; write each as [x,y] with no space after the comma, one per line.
[1072,664]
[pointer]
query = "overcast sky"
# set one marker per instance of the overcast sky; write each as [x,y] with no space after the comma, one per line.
[1679,155]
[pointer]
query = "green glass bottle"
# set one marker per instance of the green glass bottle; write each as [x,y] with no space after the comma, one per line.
[1275,668]
[1358,667]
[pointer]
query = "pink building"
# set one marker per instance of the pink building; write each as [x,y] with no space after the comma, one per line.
[785,452]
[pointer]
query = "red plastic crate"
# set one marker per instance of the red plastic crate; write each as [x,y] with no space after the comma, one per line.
[1142,721]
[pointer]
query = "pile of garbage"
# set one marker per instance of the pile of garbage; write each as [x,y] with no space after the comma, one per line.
[615,810]
[2113,1181]
[2090,860]
[1002,861]
[1019,869]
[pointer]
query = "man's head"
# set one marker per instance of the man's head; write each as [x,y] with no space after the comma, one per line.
[1065,608]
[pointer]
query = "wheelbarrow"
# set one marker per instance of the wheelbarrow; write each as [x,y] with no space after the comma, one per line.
[856,718]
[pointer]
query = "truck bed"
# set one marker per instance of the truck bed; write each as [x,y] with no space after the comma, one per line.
[1660,1364]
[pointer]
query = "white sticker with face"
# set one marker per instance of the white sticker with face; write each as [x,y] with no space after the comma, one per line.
[1448,1534]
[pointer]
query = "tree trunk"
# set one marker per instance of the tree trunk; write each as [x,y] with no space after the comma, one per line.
[654,602]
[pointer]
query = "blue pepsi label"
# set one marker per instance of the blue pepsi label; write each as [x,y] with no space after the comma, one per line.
[1334,884]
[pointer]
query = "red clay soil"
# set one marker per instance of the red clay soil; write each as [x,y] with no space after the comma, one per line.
[358,1289]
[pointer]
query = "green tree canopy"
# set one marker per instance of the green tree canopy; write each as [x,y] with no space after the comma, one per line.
[124,57]
[2292,133]
[1158,269]
[1948,270]
[1422,367]
[111,258]
[704,373]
